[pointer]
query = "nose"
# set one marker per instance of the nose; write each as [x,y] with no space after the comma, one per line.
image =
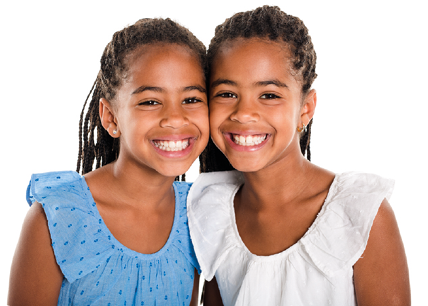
[174,117]
[245,112]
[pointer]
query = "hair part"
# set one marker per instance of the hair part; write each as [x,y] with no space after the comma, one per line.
[95,143]
[271,24]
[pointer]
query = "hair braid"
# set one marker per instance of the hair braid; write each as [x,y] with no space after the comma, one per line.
[80,128]
[95,143]
[305,140]
[266,22]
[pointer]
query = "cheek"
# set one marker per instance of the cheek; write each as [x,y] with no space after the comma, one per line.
[284,117]
[201,119]
[217,116]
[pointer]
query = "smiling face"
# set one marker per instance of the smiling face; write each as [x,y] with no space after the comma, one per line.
[256,104]
[160,112]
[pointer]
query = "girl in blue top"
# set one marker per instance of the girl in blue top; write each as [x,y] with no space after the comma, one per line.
[118,235]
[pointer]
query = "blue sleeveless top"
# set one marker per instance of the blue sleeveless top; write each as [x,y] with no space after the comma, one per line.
[98,269]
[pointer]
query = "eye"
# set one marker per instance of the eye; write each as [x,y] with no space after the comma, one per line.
[191,100]
[227,95]
[269,96]
[149,103]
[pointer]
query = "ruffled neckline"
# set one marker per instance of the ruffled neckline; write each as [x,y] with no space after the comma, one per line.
[290,249]
[118,244]
[334,241]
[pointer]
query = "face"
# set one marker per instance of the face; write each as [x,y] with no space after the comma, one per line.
[256,104]
[161,111]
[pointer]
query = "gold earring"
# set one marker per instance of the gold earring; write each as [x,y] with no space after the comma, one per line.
[304,127]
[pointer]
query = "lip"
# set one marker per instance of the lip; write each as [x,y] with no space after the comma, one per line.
[175,154]
[174,137]
[233,145]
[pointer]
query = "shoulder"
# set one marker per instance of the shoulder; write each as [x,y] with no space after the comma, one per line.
[210,217]
[382,267]
[222,182]
[46,184]
[36,221]
[35,275]
[78,236]
[368,183]
[339,235]
[212,191]
[358,195]
[59,194]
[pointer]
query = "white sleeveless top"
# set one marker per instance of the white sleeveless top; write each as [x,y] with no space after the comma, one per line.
[317,270]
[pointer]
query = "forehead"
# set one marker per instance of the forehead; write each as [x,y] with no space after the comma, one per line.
[156,55]
[254,58]
[171,67]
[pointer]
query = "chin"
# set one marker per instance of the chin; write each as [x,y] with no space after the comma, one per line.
[246,166]
[173,172]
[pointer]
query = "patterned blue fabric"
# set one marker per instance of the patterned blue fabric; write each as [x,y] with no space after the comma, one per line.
[98,269]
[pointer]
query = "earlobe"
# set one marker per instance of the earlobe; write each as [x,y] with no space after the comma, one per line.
[108,119]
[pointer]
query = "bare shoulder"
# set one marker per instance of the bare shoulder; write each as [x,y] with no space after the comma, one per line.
[35,277]
[381,275]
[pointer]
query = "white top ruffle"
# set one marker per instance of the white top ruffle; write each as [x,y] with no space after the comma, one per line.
[317,270]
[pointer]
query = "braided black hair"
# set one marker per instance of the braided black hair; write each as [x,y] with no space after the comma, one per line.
[95,143]
[270,23]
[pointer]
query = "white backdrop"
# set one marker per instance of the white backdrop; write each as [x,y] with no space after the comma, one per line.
[372,101]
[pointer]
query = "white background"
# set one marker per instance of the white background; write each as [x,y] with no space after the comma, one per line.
[372,94]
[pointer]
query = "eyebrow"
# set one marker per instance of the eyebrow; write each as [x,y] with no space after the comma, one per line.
[275,82]
[145,88]
[194,87]
[223,81]
[161,90]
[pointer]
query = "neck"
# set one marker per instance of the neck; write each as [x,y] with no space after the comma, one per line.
[278,183]
[136,184]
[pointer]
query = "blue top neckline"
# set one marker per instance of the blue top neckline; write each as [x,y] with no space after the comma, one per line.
[118,244]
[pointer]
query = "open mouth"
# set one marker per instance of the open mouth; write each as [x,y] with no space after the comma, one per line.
[248,140]
[170,145]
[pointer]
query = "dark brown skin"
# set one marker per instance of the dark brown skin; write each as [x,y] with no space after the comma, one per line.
[283,192]
[134,195]
[34,267]
[381,275]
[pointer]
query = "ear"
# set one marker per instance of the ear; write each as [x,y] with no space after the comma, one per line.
[108,120]
[308,109]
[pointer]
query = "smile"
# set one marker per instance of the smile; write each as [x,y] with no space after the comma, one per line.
[170,145]
[248,140]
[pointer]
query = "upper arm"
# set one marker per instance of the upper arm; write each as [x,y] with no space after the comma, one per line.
[35,277]
[381,275]
[211,294]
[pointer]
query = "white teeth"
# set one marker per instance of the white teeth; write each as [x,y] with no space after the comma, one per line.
[248,140]
[171,145]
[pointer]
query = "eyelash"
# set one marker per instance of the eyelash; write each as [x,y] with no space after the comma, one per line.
[271,96]
[267,96]
[193,99]
[149,103]
[227,95]
[185,101]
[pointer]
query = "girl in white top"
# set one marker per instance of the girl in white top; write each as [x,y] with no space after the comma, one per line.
[283,231]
